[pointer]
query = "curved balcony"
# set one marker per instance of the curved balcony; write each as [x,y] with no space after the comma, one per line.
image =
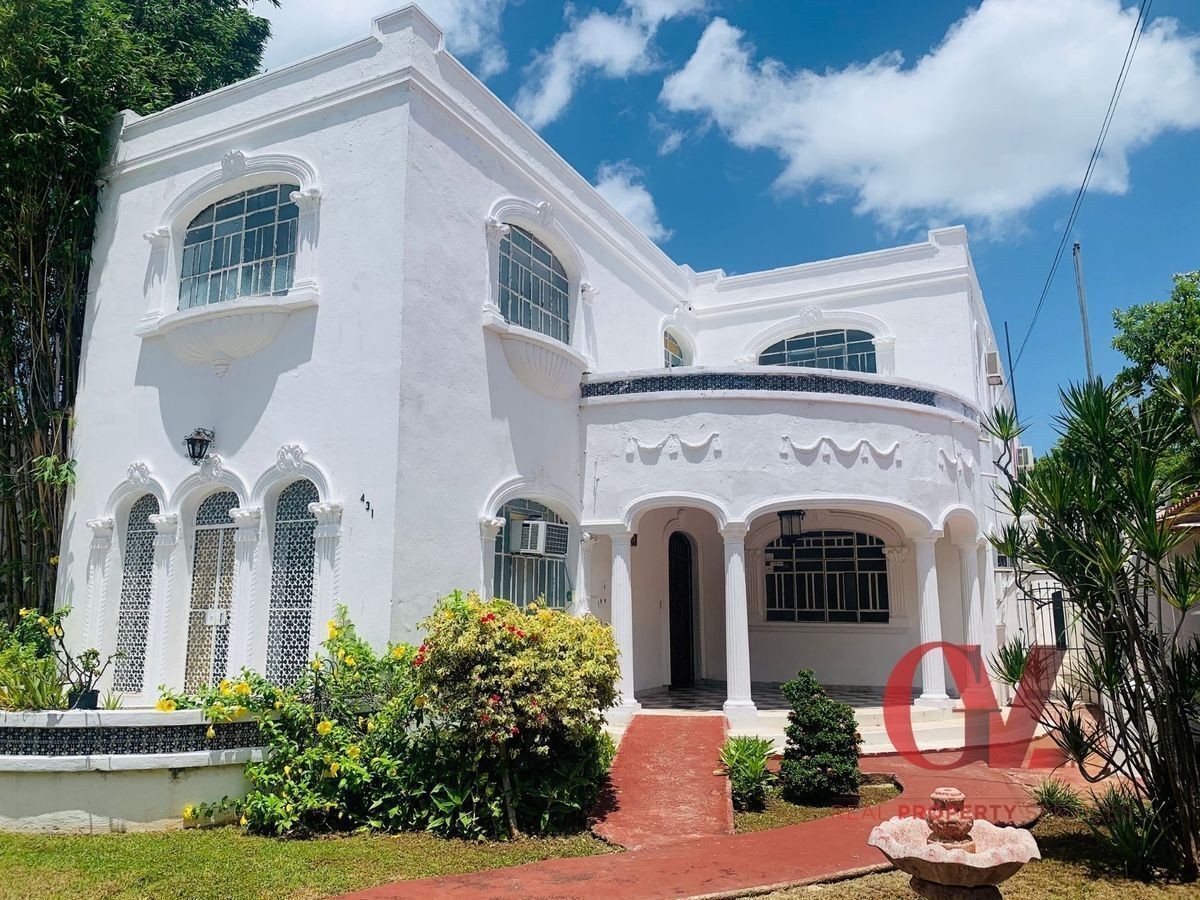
[747,436]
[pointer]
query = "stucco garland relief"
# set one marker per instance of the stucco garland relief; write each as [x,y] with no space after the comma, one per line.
[211,467]
[290,458]
[956,465]
[138,474]
[673,444]
[827,448]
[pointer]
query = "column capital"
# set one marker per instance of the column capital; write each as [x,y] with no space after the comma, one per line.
[489,527]
[102,529]
[926,539]
[329,518]
[621,539]
[735,531]
[895,554]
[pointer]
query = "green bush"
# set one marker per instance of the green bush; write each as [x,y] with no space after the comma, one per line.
[1130,828]
[820,761]
[1057,798]
[745,761]
[37,671]
[492,727]
[28,681]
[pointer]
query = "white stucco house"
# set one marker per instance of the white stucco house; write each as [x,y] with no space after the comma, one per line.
[431,356]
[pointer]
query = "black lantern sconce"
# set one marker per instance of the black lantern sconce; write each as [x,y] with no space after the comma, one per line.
[791,522]
[198,443]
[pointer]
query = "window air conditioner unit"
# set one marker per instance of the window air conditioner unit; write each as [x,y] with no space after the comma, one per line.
[540,538]
[995,374]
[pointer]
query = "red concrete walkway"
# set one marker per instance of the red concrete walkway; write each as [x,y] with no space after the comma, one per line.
[813,851]
[664,789]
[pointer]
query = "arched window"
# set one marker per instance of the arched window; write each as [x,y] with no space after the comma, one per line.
[133,615]
[673,351]
[243,246]
[826,576]
[531,558]
[533,286]
[838,348]
[293,561]
[212,592]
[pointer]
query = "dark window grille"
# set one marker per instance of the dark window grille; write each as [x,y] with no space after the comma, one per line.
[839,348]
[826,576]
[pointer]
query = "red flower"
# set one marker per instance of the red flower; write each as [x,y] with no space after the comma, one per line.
[495,698]
[421,649]
[485,718]
[514,729]
[519,633]
[418,660]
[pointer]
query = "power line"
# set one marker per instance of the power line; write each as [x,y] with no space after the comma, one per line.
[1118,88]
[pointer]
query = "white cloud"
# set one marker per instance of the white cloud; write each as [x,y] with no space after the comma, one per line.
[620,183]
[301,28]
[1003,113]
[616,45]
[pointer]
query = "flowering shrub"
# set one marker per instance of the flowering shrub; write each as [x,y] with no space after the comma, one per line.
[36,666]
[490,727]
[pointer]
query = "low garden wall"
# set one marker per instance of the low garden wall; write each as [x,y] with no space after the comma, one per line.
[118,770]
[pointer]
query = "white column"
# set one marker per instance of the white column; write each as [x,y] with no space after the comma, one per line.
[739,707]
[97,580]
[583,580]
[245,613]
[489,528]
[968,556]
[327,532]
[308,201]
[622,617]
[933,673]
[163,626]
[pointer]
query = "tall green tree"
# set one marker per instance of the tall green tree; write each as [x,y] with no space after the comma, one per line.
[66,68]
[1153,336]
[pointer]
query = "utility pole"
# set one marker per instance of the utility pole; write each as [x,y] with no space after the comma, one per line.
[1012,381]
[1083,316]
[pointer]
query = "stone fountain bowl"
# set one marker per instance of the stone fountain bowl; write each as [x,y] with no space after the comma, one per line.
[999,852]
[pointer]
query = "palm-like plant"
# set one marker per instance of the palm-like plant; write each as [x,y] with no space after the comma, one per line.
[1090,515]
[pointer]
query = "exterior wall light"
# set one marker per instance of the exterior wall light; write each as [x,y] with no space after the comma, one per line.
[198,444]
[791,522]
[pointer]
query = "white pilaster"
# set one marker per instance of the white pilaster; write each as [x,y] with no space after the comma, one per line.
[308,201]
[622,617]
[933,673]
[327,533]
[987,593]
[583,596]
[489,528]
[162,620]
[245,612]
[968,556]
[97,580]
[739,707]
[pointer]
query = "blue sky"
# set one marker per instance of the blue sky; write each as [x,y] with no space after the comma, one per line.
[749,135]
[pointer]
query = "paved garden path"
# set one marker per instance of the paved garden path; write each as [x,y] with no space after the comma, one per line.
[719,863]
[664,783]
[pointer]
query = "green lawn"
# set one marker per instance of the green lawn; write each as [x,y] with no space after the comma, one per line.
[224,862]
[780,813]
[1072,866]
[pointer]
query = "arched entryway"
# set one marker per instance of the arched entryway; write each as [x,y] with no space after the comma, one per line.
[681,598]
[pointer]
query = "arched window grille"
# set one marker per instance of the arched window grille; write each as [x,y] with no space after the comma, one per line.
[837,348]
[243,246]
[533,286]
[523,577]
[826,576]
[673,352]
[293,561]
[137,578]
[212,592]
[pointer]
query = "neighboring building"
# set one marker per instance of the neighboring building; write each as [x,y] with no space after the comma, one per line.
[1024,458]
[433,357]
[1184,516]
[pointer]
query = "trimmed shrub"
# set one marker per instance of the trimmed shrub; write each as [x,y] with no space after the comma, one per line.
[490,728]
[821,758]
[745,762]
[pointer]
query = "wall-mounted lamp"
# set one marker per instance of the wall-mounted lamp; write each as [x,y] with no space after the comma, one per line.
[198,444]
[791,522]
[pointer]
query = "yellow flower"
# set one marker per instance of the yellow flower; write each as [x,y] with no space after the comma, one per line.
[370,725]
[353,752]
[54,560]
[56,631]
[287,771]
[316,665]
[242,689]
[399,651]
[189,812]
[165,704]
[350,661]
[333,629]
[244,821]
[341,654]
[43,621]
[239,711]
[324,727]
[334,768]
[279,704]
[25,612]
[420,701]
[211,733]
[225,687]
